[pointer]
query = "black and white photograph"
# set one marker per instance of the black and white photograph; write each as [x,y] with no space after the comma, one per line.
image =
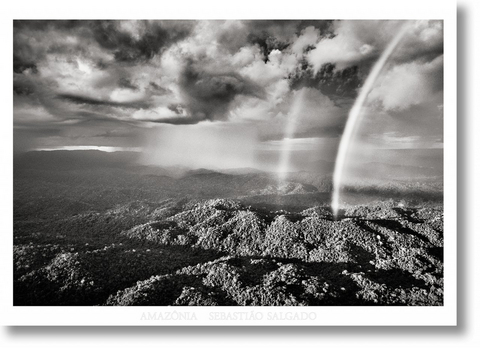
[228,162]
[258,165]
[239,174]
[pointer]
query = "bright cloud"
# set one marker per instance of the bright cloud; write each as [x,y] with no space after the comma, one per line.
[408,84]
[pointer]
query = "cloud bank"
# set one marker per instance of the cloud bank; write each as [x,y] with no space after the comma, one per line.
[123,83]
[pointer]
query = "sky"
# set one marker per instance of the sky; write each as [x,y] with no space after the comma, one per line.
[227,93]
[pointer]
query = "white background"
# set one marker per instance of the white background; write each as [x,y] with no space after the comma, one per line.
[465,335]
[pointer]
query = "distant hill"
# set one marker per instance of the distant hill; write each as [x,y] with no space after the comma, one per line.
[200,171]
[241,171]
[67,181]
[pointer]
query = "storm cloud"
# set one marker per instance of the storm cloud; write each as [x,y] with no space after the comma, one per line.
[139,41]
[208,94]
[131,78]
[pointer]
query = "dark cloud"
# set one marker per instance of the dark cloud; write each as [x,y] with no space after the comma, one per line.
[208,95]
[159,90]
[101,64]
[85,116]
[330,81]
[20,65]
[23,87]
[154,37]
[31,41]
[176,108]
[324,26]
[48,24]
[278,35]
[98,102]
[127,83]
[268,34]
[267,43]
[284,30]
[116,133]
[175,120]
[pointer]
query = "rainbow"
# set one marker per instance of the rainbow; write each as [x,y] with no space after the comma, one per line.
[355,114]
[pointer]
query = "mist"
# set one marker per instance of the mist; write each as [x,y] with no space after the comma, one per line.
[204,145]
